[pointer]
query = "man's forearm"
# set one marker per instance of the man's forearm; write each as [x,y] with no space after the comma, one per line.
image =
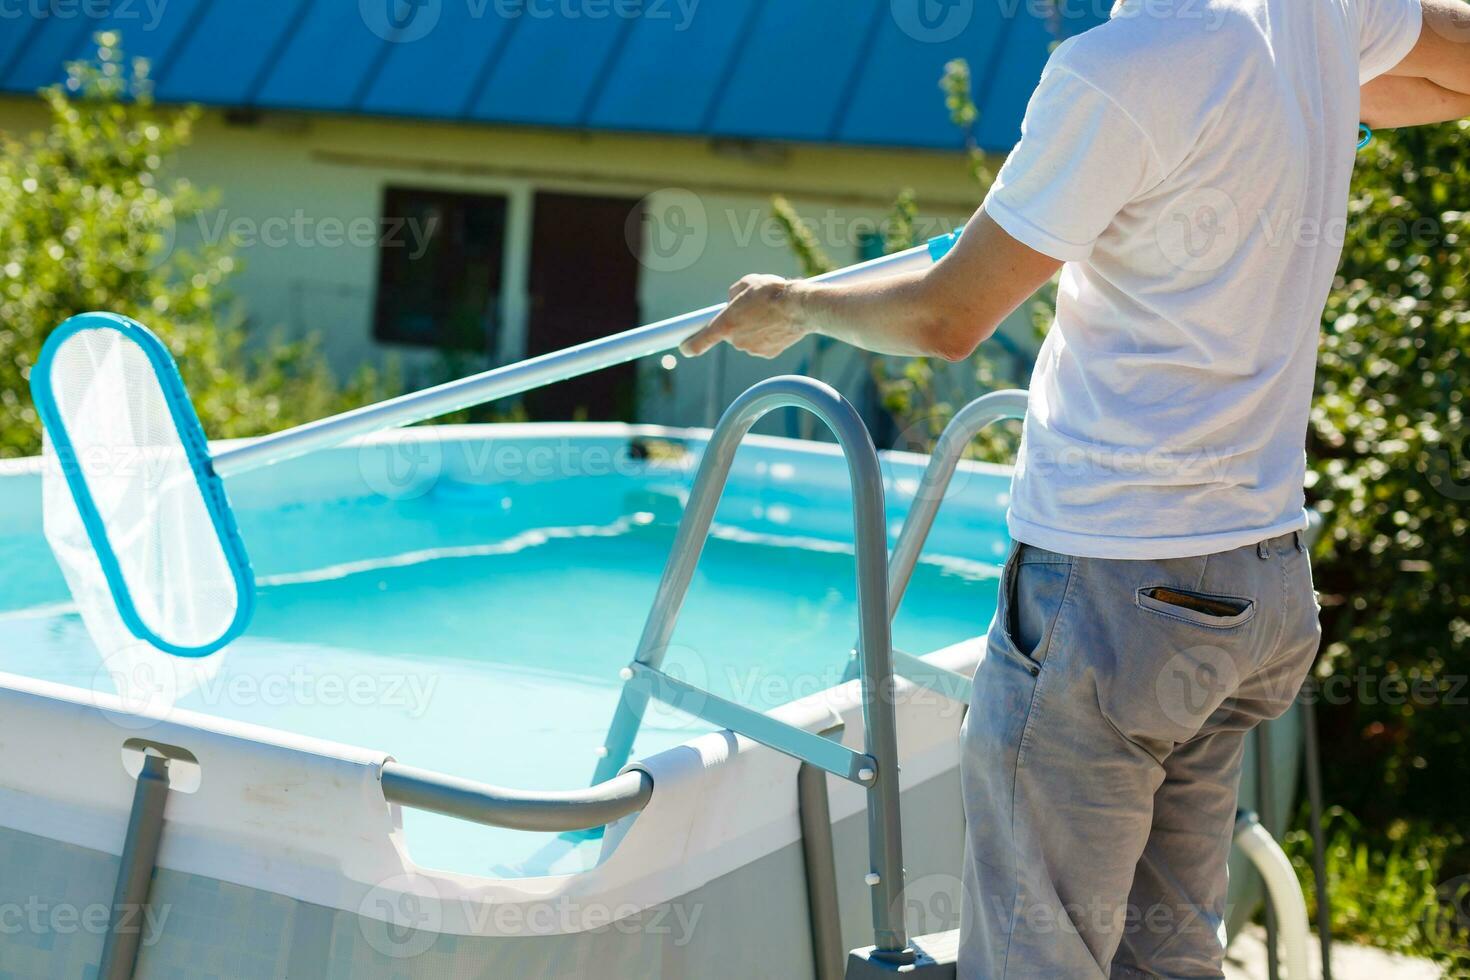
[1432,83]
[896,316]
[946,311]
[1391,101]
[943,311]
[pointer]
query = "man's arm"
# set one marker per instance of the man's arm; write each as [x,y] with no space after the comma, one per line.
[1432,83]
[944,311]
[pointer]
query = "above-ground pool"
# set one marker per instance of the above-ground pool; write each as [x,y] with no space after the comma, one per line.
[464,599]
[466,604]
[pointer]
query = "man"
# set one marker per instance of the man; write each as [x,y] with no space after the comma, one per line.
[1189,162]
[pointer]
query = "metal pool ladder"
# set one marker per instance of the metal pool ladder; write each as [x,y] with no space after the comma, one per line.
[876,768]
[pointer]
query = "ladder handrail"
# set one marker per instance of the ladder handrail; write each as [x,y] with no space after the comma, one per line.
[949,449]
[645,680]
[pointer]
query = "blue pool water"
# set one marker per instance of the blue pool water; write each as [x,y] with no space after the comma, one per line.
[478,628]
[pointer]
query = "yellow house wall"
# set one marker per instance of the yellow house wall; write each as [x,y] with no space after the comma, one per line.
[290,184]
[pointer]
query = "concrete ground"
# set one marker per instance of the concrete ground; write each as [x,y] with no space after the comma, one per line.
[1247,961]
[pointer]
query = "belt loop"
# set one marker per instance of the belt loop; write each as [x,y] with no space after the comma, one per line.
[1261,550]
[1297,536]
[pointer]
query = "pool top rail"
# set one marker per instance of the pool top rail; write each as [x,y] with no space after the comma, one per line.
[583,809]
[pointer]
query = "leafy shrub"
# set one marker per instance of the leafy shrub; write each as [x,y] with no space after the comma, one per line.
[1390,888]
[1390,461]
[87,220]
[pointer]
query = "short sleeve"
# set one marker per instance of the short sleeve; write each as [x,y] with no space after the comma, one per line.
[1081,159]
[1388,31]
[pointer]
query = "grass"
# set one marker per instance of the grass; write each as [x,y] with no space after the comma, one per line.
[1395,890]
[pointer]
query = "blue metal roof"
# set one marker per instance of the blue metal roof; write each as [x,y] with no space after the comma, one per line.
[827,71]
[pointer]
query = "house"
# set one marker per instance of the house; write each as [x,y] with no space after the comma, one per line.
[508,177]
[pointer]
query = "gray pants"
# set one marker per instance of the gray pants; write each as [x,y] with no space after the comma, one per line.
[1102,753]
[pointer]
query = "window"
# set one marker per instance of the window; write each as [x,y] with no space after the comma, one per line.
[439,267]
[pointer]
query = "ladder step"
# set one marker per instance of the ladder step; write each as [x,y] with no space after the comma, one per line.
[934,959]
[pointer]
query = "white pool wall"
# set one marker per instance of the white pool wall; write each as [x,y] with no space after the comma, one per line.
[296,830]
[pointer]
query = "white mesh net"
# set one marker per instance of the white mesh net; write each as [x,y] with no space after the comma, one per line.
[169,554]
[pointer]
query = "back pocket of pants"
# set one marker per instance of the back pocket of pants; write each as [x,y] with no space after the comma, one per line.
[1199,608]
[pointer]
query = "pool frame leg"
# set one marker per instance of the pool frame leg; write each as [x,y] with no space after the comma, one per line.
[135,871]
[1266,814]
[820,863]
[1314,821]
[1311,749]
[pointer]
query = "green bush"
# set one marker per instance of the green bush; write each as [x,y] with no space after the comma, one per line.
[87,219]
[1390,460]
[1389,887]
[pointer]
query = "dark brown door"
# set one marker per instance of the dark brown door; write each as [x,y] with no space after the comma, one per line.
[583,285]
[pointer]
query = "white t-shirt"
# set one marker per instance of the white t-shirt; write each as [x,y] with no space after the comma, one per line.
[1189,160]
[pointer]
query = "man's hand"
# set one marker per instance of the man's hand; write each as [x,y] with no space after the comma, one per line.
[764,318]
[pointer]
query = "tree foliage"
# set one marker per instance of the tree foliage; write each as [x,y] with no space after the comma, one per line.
[920,395]
[1390,458]
[88,216]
